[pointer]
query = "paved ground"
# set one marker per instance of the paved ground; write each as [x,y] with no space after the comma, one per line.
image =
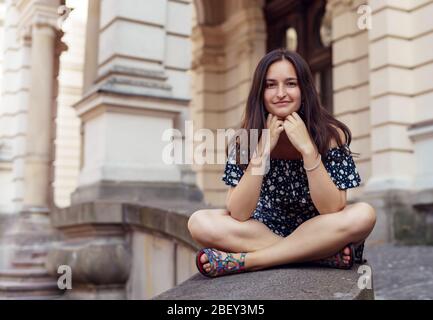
[401,272]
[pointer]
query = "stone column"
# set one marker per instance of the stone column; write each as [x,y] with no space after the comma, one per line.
[13,113]
[37,162]
[413,54]
[33,230]
[351,83]
[32,233]
[396,85]
[392,107]
[139,89]
[9,53]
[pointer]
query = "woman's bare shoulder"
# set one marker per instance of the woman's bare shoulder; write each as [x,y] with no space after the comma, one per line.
[333,143]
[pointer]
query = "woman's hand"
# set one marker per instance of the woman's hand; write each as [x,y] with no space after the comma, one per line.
[298,134]
[268,143]
[275,126]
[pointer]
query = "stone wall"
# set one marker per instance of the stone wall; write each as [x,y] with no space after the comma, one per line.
[124,251]
[351,83]
[13,109]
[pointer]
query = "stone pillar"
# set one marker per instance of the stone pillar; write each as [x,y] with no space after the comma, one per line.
[398,84]
[351,83]
[42,38]
[414,51]
[13,113]
[37,163]
[31,233]
[8,51]
[140,89]
[391,91]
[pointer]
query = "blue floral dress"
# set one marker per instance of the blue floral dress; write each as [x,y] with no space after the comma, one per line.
[285,202]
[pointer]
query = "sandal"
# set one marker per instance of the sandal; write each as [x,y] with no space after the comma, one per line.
[220,266]
[337,261]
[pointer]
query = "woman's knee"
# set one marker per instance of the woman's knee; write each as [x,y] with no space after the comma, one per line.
[195,220]
[361,218]
[201,225]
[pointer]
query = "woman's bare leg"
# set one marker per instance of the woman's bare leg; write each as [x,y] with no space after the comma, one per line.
[215,228]
[316,238]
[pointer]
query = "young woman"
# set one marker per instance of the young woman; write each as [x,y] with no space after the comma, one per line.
[296,212]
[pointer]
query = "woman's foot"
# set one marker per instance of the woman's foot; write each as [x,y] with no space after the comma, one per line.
[341,260]
[213,262]
[207,266]
[346,255]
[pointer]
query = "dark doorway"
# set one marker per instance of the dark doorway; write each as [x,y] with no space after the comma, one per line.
[299,25]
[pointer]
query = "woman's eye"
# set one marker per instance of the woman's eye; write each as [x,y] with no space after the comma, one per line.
[292,84]
[270,85]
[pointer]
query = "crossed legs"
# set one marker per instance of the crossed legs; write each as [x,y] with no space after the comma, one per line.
[317,238]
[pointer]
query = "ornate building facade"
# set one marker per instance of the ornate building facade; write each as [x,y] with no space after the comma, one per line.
[87,95]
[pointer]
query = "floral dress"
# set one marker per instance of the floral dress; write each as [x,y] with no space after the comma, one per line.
[285,202]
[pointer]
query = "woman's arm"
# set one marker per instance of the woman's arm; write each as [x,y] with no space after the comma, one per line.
[242,199]
[327,198]
[325,195]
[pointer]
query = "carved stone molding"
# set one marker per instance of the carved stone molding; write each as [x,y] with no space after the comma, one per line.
[245,49]
[41,20]
[243,27]
[37,14]
[94,258]
[205,58]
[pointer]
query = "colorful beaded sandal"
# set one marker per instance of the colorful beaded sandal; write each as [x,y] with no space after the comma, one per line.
[337,261]
[220,266]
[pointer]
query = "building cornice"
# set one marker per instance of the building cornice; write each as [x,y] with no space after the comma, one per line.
[36,14]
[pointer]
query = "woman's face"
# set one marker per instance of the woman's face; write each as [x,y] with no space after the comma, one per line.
[282,94]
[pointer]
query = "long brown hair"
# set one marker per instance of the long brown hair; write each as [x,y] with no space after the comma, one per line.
[320,124]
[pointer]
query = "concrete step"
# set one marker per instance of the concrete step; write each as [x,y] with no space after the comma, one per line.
[29,290]
[25,275]
[38,263]
[42,297]
[30,254]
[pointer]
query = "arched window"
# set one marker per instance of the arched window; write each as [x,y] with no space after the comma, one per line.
[301,25]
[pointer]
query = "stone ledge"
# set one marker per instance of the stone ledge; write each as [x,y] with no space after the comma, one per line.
[169,218]
[298,282]
[98,242]
[137,193]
